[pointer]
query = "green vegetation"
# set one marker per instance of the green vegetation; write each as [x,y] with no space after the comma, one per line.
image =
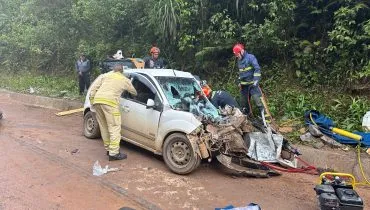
[288,100]
[46,85]
[314,54]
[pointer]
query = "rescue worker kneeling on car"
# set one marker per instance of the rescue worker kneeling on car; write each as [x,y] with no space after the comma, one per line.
[105,93]
[219,98]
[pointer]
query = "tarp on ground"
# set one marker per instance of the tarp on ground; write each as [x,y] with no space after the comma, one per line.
[325,124]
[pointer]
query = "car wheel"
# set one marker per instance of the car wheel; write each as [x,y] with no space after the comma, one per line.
[91,126]
[178,154]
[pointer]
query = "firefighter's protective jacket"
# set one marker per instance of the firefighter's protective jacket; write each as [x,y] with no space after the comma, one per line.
[108,87]
[249,69]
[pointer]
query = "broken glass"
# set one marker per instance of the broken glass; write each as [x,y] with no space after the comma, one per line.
[185,94]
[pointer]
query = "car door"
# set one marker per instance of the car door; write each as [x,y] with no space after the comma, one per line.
[139,123]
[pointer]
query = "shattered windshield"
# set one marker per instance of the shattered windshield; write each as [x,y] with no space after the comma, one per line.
[185,94]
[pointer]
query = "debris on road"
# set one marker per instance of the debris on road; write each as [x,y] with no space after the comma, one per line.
[331,142]
[69,112]
[62,93]
[286,129]
[251,206]
[307,137]
[31,90]
[318,145]
[302,130]
[75,151]
[147,168]
[314,130]
[98,170]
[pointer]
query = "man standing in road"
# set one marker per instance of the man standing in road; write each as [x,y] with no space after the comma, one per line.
[83,69]
[249,77]
[105,93]
[154,62]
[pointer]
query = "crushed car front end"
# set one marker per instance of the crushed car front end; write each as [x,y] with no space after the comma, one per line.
[221,134]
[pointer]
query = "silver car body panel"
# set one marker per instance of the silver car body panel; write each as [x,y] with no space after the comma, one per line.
[148,128]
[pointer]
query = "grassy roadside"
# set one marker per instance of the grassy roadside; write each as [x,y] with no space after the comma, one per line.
[39,84]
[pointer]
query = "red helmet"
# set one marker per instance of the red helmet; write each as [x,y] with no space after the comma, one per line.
[237,49]
[154,50]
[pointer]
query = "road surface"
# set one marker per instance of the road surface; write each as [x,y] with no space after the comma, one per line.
[46,163]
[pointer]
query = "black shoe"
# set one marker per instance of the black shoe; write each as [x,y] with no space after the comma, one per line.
[119,156]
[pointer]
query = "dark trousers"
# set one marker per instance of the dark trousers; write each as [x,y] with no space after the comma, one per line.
[248,92]
[84,81]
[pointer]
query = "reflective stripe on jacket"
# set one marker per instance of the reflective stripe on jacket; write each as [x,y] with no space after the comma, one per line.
[249,69]
[108,87]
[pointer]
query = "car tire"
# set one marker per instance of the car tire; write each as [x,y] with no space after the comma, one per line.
[178,154]
[91,126]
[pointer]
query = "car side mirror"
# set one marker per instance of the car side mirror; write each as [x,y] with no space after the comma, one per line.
[150,104]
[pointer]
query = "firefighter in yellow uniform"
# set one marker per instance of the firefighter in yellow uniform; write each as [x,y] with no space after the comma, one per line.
[104,97]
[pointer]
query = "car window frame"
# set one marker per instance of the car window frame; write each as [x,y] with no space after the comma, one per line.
[142,78]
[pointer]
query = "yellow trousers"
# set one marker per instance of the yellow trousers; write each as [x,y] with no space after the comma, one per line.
[109,119]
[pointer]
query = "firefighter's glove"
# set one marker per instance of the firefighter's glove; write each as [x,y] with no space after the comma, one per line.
[255,83]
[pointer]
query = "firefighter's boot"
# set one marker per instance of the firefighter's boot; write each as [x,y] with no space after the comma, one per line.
[119,156]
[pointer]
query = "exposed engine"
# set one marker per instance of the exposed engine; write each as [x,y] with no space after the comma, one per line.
[227,137]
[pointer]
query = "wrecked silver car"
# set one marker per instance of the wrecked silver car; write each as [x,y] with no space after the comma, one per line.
[171,117]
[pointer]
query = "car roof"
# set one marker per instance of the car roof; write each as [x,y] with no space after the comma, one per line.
[161,72]
[122,59]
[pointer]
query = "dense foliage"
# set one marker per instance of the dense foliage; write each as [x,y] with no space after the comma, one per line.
[313,44]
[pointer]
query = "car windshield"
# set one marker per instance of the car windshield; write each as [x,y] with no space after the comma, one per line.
[185,94]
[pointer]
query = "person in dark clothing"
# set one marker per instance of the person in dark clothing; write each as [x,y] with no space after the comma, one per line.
[219,98]
[83,67]
[249,78]
[154,62]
